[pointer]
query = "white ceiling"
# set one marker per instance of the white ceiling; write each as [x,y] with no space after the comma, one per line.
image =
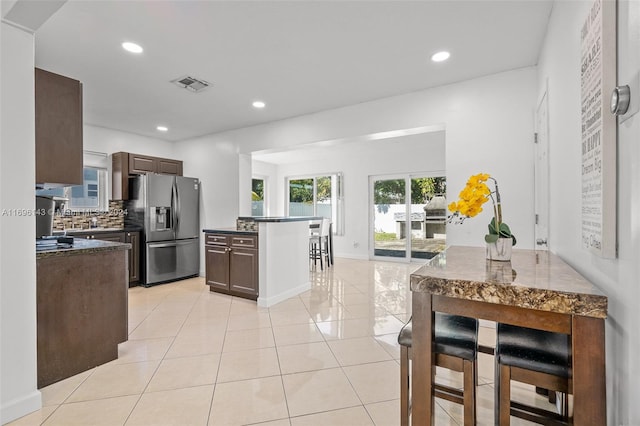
[299,57]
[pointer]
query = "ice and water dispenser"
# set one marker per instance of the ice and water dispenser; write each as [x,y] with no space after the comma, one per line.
[161,219]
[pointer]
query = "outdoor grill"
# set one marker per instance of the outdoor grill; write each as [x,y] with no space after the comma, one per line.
[435,216]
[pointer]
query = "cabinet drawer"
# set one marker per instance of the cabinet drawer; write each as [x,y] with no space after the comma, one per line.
[216,239]
[247,241]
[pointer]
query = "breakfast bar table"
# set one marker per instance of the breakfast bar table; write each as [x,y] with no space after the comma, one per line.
[536,289]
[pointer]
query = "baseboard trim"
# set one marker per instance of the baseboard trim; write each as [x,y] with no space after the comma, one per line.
[266,302]
[20,407]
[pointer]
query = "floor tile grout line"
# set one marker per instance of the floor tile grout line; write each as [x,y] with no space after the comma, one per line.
[345,373]
[215,385]
[159,363]
[284,389]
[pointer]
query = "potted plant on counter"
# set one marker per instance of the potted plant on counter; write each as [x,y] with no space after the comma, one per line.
[499,240]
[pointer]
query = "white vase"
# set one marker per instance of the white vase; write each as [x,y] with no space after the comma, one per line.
[500,250]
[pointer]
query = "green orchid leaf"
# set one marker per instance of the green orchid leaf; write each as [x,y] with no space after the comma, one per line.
[504,230]
[491,238]
[493,235]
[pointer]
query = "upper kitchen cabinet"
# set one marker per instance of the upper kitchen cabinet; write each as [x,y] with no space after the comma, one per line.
[58,102]
[125,164]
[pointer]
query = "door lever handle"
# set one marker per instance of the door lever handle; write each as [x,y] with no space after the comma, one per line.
[541,242]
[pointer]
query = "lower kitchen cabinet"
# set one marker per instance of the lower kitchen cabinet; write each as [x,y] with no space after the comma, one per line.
[232,264]
[217,267]
[82,312]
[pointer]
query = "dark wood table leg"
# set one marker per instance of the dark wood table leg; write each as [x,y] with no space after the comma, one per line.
[588,363]
[423,372]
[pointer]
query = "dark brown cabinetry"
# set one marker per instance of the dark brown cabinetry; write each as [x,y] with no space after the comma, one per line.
[133,238]
[118,237]
[125,164]
[58,129]
[81,312]
[232,264]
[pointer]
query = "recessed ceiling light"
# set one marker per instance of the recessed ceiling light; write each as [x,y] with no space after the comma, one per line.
[440,56]
[162,128]
[132,47]
[259,104]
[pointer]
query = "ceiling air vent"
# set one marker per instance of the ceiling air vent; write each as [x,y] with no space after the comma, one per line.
[191,83]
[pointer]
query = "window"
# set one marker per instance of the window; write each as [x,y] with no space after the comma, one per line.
[90,196]
[257,197]
[319,195]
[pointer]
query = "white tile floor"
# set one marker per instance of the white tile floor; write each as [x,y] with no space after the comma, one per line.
[327,357]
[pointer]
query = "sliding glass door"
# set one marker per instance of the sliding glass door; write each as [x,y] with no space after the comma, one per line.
[407,216]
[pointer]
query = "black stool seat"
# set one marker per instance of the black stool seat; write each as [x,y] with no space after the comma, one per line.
[535,350]
[456,348]
[455,335]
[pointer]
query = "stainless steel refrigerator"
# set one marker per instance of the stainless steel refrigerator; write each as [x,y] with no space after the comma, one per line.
[167,207]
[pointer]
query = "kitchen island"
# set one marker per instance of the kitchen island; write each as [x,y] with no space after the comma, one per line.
[280,246]
[82,297]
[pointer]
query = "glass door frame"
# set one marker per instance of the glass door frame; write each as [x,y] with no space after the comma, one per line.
[407,202]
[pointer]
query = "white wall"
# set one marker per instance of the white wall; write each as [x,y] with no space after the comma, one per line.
[215,160]
[489,128]
[18,369]
[244,183]
[421,153]
[560,66]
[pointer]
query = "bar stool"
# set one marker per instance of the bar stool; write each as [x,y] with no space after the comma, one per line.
[319,243]
[536,357]
[456,348]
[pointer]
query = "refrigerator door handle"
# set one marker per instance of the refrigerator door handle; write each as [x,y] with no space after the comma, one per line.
[177,206]
[171,244]
[174,208]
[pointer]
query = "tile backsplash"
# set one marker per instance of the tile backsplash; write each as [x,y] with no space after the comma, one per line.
[114,218]
[246,225]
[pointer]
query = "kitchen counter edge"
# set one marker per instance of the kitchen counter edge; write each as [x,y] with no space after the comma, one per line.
[229,231]
[280,218]
[81,246]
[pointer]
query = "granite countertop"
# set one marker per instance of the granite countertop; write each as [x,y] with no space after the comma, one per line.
[532,279]
[85,231]
[82,246]
[280,218]
[229,231]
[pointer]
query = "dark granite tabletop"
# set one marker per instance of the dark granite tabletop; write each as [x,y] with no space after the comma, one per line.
[82,246]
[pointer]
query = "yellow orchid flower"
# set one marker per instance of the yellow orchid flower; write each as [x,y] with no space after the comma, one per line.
[475,193]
